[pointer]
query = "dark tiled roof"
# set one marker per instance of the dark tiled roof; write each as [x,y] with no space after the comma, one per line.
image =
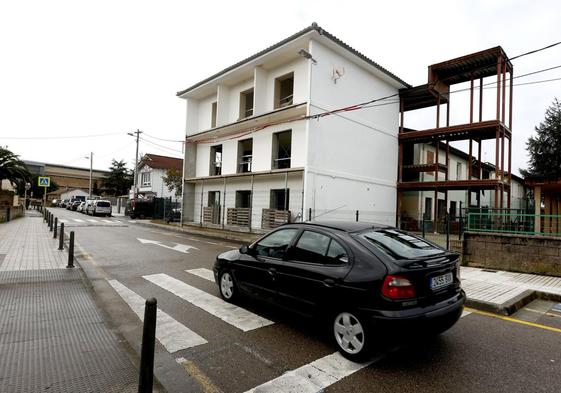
[314,26]
[161,162]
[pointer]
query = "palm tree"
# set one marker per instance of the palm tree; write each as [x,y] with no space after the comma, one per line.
[12,168]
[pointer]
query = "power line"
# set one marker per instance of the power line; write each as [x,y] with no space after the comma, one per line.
[63,137]
[535,51]
[161,146]
[162,139]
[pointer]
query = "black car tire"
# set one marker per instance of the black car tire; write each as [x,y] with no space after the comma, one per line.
[227,286]
[352,335]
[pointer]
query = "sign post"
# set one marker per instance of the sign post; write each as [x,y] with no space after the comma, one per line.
[45,182]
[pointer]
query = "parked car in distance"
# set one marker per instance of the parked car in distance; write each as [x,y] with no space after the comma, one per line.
[74,205]
[81,207]
[370,282]
[141,208]
[89,205]
[55,202]
[101,207]
[64,203]
[174,215]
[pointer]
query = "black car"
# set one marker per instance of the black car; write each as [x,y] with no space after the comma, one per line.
[370,281]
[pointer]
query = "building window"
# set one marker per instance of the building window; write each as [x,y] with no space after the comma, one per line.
[213,115]
[145,179]
[430,157]
[246,104]
[282,147]
[280,199]
[459,171]
[215,160]
[284,90]
[245,155]
[243,199]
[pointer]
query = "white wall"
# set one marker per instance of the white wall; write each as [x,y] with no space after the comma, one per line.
[157,185]
[352,157]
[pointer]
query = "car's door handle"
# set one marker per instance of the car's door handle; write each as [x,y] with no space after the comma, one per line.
[329,282]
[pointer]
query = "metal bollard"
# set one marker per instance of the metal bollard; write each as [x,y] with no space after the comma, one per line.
[309,214]
[55,226]
[51,222]
[356,216]
[146,378]
[61,237]
[71,251]
[423,224]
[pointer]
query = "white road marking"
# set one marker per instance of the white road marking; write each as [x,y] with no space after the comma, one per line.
[317,375]
[234,315]
[90,220]
[313,377]
[117,222]
[173,335]
[78,220]
[207,274]
[108,221]
[183,248]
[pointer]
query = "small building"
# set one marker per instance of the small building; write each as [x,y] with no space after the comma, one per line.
[152,169]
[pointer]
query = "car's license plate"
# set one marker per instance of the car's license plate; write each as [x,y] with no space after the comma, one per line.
[441,281]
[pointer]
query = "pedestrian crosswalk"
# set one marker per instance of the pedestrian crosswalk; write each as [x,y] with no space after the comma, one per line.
[229,313]
[90,221]
[174,336]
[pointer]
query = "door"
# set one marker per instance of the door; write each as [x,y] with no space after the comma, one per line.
[214,204]
[314,269]
[256,271]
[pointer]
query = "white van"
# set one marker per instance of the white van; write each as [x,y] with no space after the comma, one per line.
[102,207]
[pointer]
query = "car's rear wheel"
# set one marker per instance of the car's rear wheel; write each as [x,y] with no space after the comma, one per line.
[227,286]
[351,336]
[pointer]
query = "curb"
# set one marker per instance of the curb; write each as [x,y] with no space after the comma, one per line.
[227,236]
[514,304]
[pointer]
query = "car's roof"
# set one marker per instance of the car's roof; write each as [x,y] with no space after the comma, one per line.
[345,226]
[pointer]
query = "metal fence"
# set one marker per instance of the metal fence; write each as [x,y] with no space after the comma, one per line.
[514,222]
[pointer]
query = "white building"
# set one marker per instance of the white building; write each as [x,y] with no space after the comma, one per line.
[151,170]
[256,155]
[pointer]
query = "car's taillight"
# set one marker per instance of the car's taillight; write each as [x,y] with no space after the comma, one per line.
[397,287]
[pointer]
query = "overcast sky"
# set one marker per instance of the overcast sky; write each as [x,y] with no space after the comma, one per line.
[78,68]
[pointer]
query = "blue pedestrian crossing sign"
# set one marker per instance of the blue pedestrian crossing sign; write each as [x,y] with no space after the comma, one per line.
[44,181]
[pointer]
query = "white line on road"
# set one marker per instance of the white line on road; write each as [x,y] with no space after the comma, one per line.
[108,221]
[78,220]
[317,375]
[314,376]
[207,274]
[90,220]
[173,335]
[234,315]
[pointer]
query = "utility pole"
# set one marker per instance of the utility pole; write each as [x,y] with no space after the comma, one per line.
[137,132]
[91,166]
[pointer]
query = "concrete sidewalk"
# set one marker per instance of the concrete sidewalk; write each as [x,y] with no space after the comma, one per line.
[52,334]
[506,292]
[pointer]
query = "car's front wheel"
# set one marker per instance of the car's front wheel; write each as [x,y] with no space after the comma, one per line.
[351,336]
[227,286]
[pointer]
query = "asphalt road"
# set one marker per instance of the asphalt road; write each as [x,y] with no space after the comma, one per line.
[481,353]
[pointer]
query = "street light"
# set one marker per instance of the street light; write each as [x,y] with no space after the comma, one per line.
[91,164]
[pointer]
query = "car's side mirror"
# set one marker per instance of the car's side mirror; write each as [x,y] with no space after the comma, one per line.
[244,249]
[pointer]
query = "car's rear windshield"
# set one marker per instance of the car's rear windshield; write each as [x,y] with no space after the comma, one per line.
[397,244]
[103,204]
